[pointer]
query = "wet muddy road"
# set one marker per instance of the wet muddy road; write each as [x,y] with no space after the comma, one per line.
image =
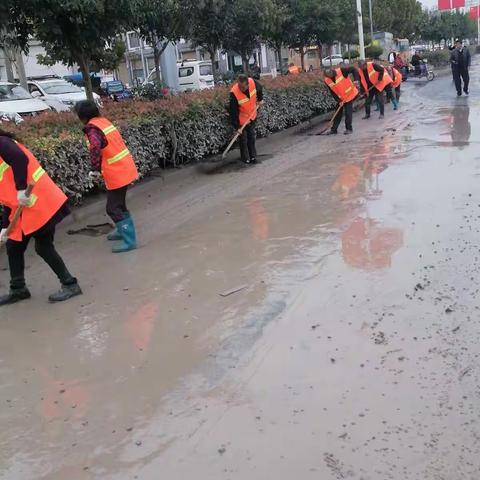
[345,344]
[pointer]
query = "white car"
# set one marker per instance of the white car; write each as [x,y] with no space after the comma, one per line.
[16,102]
[192,75]
[57,93]
[336,60]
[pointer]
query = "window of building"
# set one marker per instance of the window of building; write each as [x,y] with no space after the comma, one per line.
[133,40]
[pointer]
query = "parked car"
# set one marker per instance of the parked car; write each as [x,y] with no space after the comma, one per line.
[336,60]
[57,93]
[116,90]
[192,75]
[15,101]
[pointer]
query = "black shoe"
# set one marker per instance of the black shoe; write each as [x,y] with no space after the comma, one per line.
[381,116]
[15,296]
[366,117]
[254,161]
[466,92]
[65,293]
[459,94]
[332,132]
[348,132]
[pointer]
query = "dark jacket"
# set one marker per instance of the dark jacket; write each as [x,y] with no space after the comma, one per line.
[234,109]
[460,59]
[346,71]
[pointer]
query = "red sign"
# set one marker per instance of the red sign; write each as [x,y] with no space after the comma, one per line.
[474,13]
[458,3]
[444,4]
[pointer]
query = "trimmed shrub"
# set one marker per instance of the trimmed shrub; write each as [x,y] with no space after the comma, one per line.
[373,51]
[438,58]
[351,54]
[170,132]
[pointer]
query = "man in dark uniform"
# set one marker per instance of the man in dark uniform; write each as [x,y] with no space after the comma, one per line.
[245,97]
[460,59]
[344,98]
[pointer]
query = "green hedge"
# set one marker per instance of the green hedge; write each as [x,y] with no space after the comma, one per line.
[191,126]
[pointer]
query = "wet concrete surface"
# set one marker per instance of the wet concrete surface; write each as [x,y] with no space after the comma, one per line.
[350,349]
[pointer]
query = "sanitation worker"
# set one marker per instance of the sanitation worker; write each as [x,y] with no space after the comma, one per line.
[246,96]
[43,208]
[393,90]
[344,91]
[373,79]
[112,161]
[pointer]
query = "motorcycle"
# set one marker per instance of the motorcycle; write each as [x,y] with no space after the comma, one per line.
[423,71]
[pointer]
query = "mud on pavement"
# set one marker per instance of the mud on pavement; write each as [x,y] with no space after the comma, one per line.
[345,344]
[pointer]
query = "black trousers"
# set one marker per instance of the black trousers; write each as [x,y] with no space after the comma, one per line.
[45,248]
[460,74]
[348,110]
[374,95]
[117,204]
[398,92]
[248,150]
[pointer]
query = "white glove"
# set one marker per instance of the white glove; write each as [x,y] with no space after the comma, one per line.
[3,235]
[23,199]
[94,175]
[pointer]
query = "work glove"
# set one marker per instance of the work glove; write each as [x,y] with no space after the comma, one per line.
[94,175]
[3,235]
[23,199]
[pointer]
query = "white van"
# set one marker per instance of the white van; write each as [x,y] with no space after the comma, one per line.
[192,75]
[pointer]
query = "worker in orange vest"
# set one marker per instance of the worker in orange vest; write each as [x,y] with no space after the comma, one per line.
[396,77]
[345,92]
[111,159]
[43,208]
[373,80]
[293,70]
[246,96]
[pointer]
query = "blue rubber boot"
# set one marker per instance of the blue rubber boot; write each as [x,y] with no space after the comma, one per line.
[129,237]
[395,103]
[115,236]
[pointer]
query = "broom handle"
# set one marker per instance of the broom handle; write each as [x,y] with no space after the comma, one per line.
[19,211]
[235,138]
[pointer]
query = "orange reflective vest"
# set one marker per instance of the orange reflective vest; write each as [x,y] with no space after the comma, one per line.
[246,105]
[396,77]
[294,70]
[363,80]
[118,166]
[342,87]
[373,77]
[46,198]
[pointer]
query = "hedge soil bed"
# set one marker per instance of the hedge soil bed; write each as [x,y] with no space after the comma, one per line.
[168,132]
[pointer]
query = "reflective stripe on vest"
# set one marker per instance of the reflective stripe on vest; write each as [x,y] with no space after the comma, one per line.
[3,168]
[118,157]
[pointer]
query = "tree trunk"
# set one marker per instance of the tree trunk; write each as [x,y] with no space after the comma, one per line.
[279,55]
[302,58]
[320,54]
[212,51]
[156,59]
[84,65]
[245,64]
[349,54]
[330,55]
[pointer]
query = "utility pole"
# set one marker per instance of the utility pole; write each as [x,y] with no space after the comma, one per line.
[371,19]
[360,30]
